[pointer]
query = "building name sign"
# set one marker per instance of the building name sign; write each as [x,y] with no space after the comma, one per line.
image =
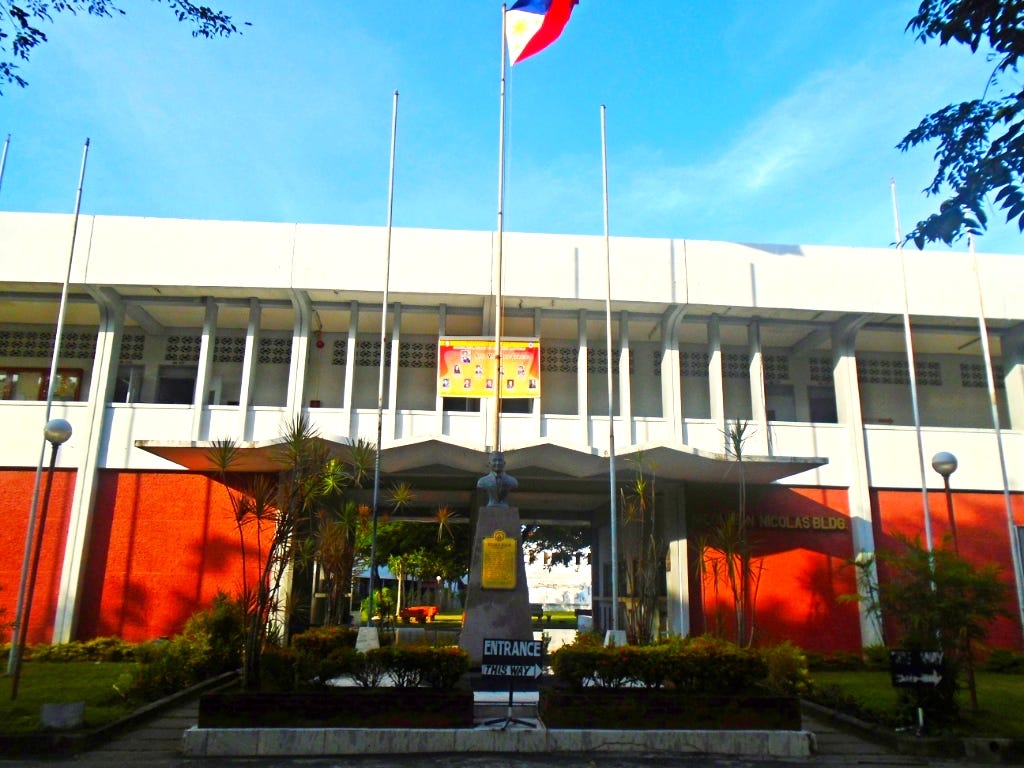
[800,522]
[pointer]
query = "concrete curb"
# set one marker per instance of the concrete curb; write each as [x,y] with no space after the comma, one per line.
[320,742]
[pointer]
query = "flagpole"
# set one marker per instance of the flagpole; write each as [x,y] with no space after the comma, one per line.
[983,332]
[611,379]
[383,351]
[20,627]
[912,370]
[496,416]
[3,160]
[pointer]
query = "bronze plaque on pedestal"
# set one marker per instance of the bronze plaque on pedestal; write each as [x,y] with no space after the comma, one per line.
[499,562]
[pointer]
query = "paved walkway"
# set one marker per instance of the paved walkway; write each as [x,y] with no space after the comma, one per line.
[157,744]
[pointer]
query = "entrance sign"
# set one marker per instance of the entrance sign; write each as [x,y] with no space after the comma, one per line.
[910,669]
[513,658]
[466,367]
[499,562]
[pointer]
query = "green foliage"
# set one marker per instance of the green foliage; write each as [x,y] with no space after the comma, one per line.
[210,644]
[383,604]
[1005,662]
[279,669]
[712,665]
[86,681]
[563,545]
[980,146]
[316,672]
[936,601]
[26,18]
[444,666]
[221,629]
[166,667]
[410,666]
[97,649]
[702,665]
[787,669]
[322,641]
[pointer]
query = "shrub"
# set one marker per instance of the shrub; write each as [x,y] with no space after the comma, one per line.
[787,669]
[1005,662]
[318,671]
[709,665]
[413,665]
[576,663]
[221,629]
[446,667]
[370,670]
[403,663]
[322,641]
[167,666]
[278,668]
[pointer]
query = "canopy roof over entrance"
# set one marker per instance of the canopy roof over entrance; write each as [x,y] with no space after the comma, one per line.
[442,457]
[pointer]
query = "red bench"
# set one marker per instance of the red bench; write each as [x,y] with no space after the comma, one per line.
[418,613]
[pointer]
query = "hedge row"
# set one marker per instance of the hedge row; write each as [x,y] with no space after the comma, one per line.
[701,665]
[312,666]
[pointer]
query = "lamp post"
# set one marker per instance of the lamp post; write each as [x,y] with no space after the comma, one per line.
[57,432]
[945,464]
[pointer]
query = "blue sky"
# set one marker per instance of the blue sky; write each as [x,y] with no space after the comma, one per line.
[750,122]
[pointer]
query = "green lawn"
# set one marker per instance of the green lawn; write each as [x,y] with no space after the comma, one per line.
[91,682]
[1000,700]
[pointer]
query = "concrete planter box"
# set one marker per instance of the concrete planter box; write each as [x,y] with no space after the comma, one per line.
[341,708]
[657,709]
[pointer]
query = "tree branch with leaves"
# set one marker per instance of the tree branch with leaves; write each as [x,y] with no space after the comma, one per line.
[22,22]
[980,142]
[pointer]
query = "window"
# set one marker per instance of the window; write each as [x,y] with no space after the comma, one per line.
[176,385]
[32,383]
[128,385]
[466,404]
[822,404]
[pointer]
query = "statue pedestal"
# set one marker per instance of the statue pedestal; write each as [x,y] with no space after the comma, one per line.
[498,598]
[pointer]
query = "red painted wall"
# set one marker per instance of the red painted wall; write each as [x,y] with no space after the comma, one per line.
[16,487]
[163,544]
[800,540]
[981,532]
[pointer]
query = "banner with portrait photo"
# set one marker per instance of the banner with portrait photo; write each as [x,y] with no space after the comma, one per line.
[466,367]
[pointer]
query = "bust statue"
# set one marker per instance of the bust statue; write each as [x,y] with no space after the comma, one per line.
[497,484]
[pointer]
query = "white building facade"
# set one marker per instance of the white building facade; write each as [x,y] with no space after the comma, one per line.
[180,332]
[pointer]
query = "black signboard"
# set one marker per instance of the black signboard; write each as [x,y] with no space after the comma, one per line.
[915,668]
[522,659]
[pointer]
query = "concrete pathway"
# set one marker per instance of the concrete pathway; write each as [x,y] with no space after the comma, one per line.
[157,743]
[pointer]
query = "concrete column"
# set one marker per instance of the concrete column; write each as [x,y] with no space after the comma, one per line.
[671,377]
[396,335]
[535,416]
[442,322]
[200,401]
[300,352]
[249,361]
[716,375]
[625,392]
[351,348]
[677,582]
[759,438]
[582,376]
[90,431]
[844,360]
[1013,374]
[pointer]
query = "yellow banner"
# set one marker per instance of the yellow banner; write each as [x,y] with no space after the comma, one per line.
[466,368]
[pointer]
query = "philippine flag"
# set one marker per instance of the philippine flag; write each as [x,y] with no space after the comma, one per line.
[533,25]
